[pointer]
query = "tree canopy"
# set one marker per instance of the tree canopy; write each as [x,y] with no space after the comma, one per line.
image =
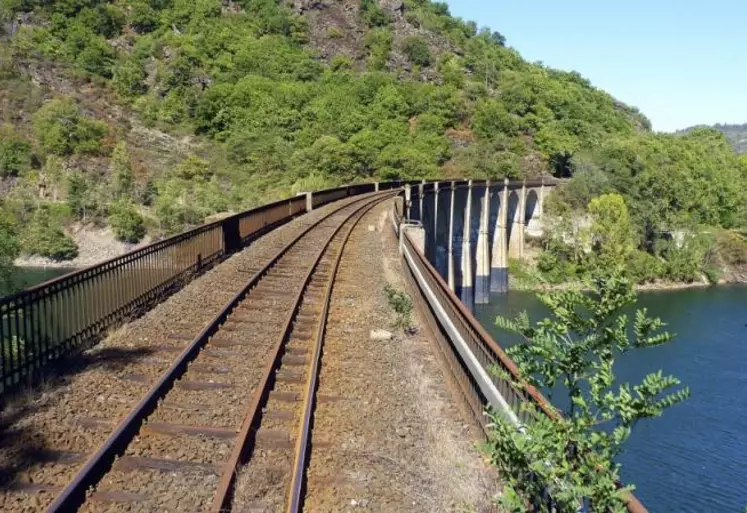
[275,99]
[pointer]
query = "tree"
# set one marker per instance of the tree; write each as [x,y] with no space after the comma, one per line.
[129,78]
[9,245]
[127,223]
[45,237]
[61,130]
[611,231]
[142,18]
[416,49]
[120,169]
[15,153]
[571,453]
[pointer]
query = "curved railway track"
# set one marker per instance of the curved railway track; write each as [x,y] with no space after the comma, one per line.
[184,458]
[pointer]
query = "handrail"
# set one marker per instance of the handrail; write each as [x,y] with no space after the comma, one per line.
[481,345]
[69,313]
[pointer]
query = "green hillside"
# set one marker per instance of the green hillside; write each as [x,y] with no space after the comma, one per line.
[151,115]
[737,134]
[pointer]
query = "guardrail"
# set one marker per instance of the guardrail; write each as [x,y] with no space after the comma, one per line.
[470,352]
[43,323]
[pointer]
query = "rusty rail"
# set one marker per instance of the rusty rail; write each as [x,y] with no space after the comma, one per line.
[454,321]
[243,449]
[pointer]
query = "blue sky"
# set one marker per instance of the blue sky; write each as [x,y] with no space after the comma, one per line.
[681,63]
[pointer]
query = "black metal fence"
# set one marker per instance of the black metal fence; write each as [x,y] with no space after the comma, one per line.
[43,323]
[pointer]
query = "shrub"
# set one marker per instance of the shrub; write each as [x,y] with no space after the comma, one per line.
[127,223]
[379,44]
[644,267]
[340,63]
[571,456]
[732,248]
[61,130]
[15,153]
[335,33]
[142,18]
[9,246]
[373,15]
[401,303]
[416,49]
[94,55]
[129,78]
[45,237]
[105,19]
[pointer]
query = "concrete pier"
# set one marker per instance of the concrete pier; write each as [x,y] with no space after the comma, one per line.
[451,278]
[466,289]
[499,261]
[482,277]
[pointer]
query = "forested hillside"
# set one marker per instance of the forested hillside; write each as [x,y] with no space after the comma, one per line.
[151,115]
[737,134]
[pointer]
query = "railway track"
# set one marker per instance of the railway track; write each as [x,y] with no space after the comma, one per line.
[201,422]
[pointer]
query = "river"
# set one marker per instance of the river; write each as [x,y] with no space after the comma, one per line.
[694,457]
[22,277]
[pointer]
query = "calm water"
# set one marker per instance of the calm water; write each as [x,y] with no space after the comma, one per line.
[694,457]
[23,277]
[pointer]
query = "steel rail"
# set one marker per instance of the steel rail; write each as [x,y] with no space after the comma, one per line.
[246,437]
[300,460]
[74,494]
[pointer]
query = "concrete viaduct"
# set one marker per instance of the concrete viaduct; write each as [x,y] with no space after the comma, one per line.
[473,228]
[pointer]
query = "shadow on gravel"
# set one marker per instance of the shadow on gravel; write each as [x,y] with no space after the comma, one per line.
[22,444]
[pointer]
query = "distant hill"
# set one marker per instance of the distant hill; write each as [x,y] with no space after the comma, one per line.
[737,134]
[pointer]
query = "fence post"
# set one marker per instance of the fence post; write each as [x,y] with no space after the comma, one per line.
[231,235]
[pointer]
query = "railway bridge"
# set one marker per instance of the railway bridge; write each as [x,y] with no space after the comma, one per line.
[237,366]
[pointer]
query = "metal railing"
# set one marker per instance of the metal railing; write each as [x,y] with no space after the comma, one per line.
[43,323]
[470,352]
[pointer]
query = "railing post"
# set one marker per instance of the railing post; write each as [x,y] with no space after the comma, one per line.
[408,201]
[376,186]
[231,234]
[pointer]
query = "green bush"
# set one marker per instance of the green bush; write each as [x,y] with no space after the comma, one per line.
[644,267]
[62,130]
[340,63]
[416,49]
[105,19]
[685,263]
[129,78]
[142,17]
[44,236]
[379,44]
[554,269]
[373,15]
[335,33]
[401,303]
[127,223]
[15,153]
[732,248]
[570,452]
[9,244]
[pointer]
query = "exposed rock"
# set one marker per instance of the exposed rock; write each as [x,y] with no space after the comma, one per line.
[380,334]
[94,246]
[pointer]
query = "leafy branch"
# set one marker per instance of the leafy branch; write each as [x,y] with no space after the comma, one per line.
[557,464]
